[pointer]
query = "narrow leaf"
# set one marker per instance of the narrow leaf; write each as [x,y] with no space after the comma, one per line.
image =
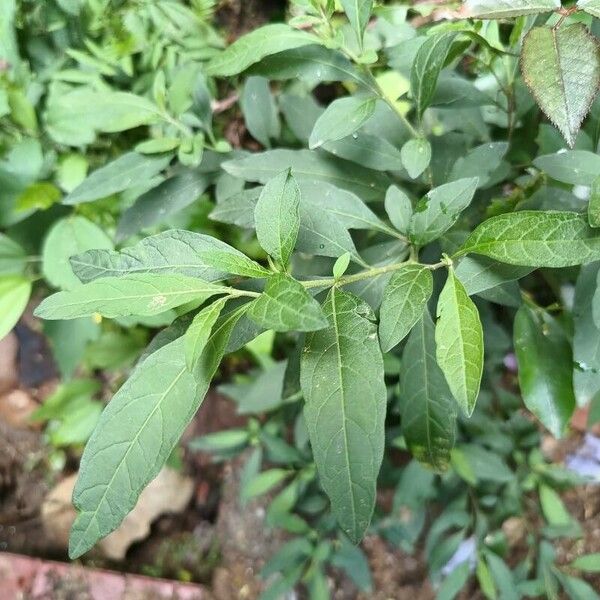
[594,204]
[358,13]
[505,9]
[198,333]
[15,291]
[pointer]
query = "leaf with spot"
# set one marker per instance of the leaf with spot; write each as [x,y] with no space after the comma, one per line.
[342,381]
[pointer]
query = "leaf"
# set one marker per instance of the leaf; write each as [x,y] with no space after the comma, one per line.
[367,150]
[544,359]
[68,237]
[252,47]
[172,252]
[428,408]
[13,258]
[594,204]
[426,69]
[341,118]
[399,209]
[562,69]
[591,7]
[482,161]
[143,294]
[310,165]
[121,174]
[440,209]
[588,562]
[358,13]
[578,167]
[416,156]
[198,333]
[342,381]
[459,340]
[503,9]
[286,306]
[137,433]
[260,112]
[277,216]
[404,300]
[535,239]
[479,274]
[14,295]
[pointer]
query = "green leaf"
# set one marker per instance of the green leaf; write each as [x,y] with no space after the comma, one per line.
[198,333]
[416,156]
[252,47]
[588,562]
[286,306]
[341,118]
[399,208]
[505,9]
[220,441]
[426,68]
[404,301]
[174,252]
[13,258]
[277,216]
[14,295]
[260,112]
[535,239]
[561,66]
[555,512]
[68,237]
[428,408]
[479,274]
[341,265]
[121,174]
[342,381]
[368,150]
[594,204]
[440,209]
[144,294]
[358,13]
[578,167]
[576,589]
[263,482]
[545,372]
[459,340]
[591,7]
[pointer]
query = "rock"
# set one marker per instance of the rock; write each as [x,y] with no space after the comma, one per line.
[9,350]
[170,492]
[16,407]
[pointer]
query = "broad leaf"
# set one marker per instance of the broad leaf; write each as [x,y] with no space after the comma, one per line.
[198,333]
[503,9]
[121,174]
[341,118]
[286,306]
[578,167]
[459,340]
[545,373]
[536,239]
[426,68]
[404,300]
[277,216]
[440,208]
[561,66]
[342,381]
[428,408]
[358,13]
[482,162]
[368,150]
[479,274]
[172,252]
[594,204]
[416,156]
[142,295]
[399,209]
[252,47]
[15,291]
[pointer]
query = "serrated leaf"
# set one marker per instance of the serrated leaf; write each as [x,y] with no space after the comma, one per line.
[342,381]
[545,372]
[505,9]
[426,68]
[256,45]
[440,208]
[286,306]
[404,301]
[416,156]
[428,408]
[536,239]
[594,204]
[562,69]
[142,295]
[15,291]
[198,333]
[277,217]
[459,341]
[358,13]
[341,118]
[174,252]
[399,208]
[592,7]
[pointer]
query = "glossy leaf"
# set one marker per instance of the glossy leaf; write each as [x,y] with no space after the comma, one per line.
[342,381]
[591,7]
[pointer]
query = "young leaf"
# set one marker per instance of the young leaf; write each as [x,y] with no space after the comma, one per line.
[15,291]
[142,295]
[440,209]
[428,409]
[342,118]
[277,216]
[12,257]
[399,208]
[198,333]
[535,239]
[416,156]
[506,9]
[545,377]
[561,66]
[342,381]
[341,265]
[286,306]
[594,204]
[426,68]
[252,47]
[404,301]
[459,340]
[358,13]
